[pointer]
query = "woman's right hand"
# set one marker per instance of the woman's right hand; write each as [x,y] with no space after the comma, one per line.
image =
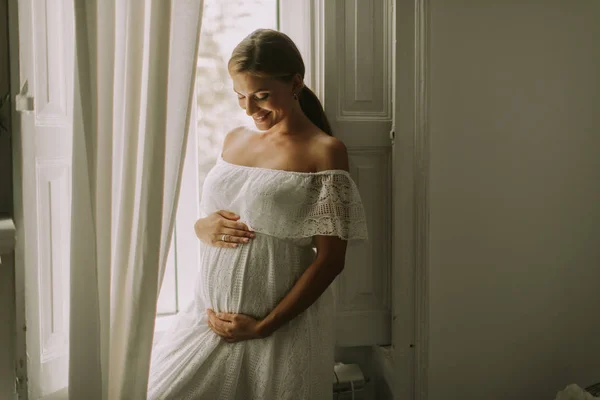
[221,229]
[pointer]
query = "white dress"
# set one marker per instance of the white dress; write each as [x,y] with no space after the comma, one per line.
[285,209]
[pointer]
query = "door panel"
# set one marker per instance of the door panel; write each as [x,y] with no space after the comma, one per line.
[363,60]
[44,153]
[358,103]
[363,290]
[347,50]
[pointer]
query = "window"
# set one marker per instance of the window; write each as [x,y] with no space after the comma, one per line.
[225,23]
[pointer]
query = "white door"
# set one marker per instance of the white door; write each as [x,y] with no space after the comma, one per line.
[347,47]
[43,147]
[358,102]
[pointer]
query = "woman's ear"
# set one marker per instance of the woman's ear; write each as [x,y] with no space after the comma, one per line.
[297,83]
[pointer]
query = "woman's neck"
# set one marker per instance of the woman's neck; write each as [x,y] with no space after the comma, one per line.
[297,123]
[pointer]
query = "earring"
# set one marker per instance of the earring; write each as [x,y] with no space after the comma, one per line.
[295,96]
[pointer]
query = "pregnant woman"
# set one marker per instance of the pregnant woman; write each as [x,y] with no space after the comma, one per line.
[279,208]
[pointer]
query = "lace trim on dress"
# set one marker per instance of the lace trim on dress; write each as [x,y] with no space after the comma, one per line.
[289,204]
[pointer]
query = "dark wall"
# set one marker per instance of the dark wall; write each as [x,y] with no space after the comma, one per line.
[514,198]
[5,142]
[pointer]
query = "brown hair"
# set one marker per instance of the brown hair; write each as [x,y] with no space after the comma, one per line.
[272,54]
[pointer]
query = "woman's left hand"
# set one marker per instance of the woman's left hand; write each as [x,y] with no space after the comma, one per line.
[234,327]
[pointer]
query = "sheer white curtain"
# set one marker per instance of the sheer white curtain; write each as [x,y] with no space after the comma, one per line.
[135,63]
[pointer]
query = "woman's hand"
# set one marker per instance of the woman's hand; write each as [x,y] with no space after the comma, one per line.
[234,327]
[221,229]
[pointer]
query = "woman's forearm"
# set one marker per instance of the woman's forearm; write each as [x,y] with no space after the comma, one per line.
[312,283]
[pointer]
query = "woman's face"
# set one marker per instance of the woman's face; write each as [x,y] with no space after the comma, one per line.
[268,101]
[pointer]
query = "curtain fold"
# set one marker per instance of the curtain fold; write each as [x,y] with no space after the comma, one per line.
[135,65]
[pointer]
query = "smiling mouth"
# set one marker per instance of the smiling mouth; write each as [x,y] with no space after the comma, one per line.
[262,117]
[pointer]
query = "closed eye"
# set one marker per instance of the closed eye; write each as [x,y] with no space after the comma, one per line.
[261,97]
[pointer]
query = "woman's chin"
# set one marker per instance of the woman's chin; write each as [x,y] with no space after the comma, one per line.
[262,126]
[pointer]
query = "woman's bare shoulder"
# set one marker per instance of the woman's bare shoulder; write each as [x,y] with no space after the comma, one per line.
[330,153]
[234,136]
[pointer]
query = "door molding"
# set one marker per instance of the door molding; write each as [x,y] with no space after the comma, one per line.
[422,159]
[410,276]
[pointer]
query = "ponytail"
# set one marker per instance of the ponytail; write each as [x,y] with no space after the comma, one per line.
[312,108]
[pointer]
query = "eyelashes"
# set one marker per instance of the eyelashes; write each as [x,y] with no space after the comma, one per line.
[257,98]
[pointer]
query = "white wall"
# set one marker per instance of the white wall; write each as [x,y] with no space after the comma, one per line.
[514,197]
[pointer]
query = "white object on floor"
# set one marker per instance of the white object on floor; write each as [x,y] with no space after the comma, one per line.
[574,392]
[348,379]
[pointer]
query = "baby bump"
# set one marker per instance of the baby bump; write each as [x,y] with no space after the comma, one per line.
[252,278]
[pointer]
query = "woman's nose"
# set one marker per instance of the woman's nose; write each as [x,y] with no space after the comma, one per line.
[250,107]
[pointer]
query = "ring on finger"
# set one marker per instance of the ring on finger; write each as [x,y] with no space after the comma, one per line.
[223,238]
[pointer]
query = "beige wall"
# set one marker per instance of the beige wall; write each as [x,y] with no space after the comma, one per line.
[515,198]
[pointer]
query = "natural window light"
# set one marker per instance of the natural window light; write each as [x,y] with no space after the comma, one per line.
[225,23]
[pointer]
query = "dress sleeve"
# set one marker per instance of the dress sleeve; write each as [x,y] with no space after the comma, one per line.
[332,207]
